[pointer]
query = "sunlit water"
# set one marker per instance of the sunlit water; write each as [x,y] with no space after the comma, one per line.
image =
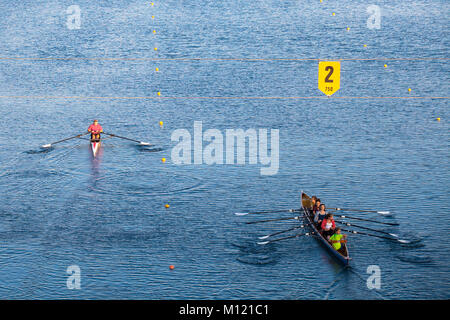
[106,215]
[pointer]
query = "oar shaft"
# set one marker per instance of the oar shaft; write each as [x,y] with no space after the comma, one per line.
[281,232]
[365,228]
[271,220]
[125,138]
[374,221]
[359,210]
[373,235]
[285,238]
[129,139]
[66,139]
[271,211]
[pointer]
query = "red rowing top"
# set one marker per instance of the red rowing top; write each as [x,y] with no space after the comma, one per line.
[95,128]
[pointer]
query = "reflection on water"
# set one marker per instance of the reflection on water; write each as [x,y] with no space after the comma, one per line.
[96,162]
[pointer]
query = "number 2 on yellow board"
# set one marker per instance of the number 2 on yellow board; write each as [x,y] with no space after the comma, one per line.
[329,75]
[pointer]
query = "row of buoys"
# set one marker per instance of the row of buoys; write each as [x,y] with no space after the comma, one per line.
[161,123]
[155,48]
[163,160]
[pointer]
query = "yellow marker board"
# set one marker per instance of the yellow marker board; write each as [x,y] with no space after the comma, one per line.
[329,76]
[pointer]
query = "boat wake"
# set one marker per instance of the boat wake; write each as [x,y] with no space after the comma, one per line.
[251,253]
[144,183]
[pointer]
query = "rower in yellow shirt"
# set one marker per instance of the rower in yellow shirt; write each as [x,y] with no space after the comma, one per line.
[337,238]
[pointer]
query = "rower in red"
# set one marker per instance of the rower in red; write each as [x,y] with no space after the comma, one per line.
[328,226]
[95,129]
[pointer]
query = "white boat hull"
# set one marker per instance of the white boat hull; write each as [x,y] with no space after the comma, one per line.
[95,147]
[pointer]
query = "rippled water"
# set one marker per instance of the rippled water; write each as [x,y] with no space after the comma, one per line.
[61,207]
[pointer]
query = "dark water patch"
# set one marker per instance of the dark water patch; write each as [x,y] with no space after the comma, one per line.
[148,149]
[18,235]
[39,151]
[258,260]
[415,258]
[34,173]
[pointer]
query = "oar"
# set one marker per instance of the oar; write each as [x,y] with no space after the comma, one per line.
[376,236]
[280,232]
[51,144]
[279,219]
[125,138]
[374,221]
[358,210]
[271,211]
[366,228]
[290,237]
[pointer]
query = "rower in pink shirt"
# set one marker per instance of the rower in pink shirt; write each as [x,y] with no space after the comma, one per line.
[95,129]
[328,226]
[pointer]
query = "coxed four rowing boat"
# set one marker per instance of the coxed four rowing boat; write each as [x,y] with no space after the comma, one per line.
[342,254]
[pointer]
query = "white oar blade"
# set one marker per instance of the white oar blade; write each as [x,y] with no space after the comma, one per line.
[403,241]
[144,143]
[263,237]
[264,242]
[241,213]
[394,235]
[385,213]
[46,145]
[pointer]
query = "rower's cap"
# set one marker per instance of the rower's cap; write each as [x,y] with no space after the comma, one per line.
[95,120]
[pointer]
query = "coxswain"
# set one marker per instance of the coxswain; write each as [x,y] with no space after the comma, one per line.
[313,202]
[316,206]
[95,129]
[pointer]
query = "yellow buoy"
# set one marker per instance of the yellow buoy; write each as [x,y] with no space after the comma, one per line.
[161,123]
[365,46]
[438,119]
[153,17]
[334,14]
[156,69]
[154,31]
[159,94]
[152,4]
[167,206]
[163,160]
[385,65]
[156,48]
[348,28]
[409,89]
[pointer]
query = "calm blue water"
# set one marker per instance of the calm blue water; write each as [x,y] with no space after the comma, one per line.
[62,208]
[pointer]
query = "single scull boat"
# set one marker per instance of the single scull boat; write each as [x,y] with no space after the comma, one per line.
[95,147]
